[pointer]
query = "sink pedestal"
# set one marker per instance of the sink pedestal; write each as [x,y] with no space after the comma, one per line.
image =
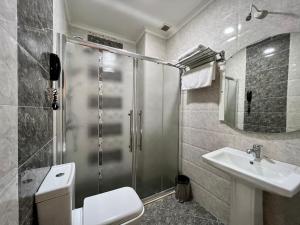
[246,204]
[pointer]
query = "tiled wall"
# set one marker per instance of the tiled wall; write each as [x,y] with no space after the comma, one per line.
[266,79]
[8,114]
[201,129]
[35,132]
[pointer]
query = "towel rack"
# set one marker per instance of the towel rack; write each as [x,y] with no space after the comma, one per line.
[200,56]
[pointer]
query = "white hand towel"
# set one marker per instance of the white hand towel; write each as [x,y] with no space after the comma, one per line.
[199,77]
[190,52]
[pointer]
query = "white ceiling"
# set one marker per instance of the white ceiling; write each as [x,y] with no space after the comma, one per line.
[129,18]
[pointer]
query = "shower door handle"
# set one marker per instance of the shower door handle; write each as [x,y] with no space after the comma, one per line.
[141,131]
[130,114]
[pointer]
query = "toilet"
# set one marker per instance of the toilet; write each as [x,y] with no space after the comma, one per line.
[55,202]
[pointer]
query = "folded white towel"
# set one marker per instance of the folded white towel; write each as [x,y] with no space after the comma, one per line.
[199,77]
[190,52]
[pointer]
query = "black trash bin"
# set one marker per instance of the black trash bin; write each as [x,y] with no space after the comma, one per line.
[183,188]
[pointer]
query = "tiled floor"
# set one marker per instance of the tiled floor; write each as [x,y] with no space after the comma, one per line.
[169,211]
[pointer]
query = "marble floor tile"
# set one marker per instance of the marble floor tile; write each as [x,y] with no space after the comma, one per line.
[169,211]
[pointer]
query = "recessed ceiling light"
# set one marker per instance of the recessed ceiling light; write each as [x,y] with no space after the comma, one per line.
[269,51]
[229,30]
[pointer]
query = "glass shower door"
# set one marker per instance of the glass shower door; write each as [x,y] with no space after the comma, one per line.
[116,121]
[98,90]
[157,127]
[81,118]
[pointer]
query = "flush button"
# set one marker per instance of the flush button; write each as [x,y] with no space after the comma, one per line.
[59,174]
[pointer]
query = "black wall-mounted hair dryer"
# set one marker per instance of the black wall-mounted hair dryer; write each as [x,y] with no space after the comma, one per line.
[55,69]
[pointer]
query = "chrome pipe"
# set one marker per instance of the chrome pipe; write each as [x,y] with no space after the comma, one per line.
[120,51]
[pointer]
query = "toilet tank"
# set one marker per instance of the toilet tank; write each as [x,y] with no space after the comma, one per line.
[54,199]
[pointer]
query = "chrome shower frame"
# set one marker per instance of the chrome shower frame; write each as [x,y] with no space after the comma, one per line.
[59,118]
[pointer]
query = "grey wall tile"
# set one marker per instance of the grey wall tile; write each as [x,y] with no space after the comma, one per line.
[214,205]
[30,176]
[8,139]
[37,14]
[214,184]
[277,209]
[38,43]
[8,10]
[34,82]
[194,155]
[9,203]
[8,66]
[34,130]
[35,118]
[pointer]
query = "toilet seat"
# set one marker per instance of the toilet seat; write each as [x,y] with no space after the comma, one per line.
[115,207]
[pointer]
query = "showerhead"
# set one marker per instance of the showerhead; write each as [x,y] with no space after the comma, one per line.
[259,14]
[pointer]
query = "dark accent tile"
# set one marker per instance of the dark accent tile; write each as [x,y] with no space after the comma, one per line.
[273,119]
[109,156]
[255,65]
[38,43]
[265,122]
[31,174]
[104,41]
[111,129]
[33,81]
[111,103]
[93,157]
[279,74]
[267,78]
[252,118]
[268,90]
[100,158]
[93,73]
[93,101]
[36,14]
[93,130]
[112,155]
[112,76]
[34,130]
[274,105]
[279,43]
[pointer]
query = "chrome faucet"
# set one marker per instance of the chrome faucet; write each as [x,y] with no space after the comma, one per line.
[255,151]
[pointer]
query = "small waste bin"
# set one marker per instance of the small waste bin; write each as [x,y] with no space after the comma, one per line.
[183,188]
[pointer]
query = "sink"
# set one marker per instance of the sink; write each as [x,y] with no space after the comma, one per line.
[249,178]
[269,175]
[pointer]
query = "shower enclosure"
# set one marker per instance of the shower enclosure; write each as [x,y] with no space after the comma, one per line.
[119,120]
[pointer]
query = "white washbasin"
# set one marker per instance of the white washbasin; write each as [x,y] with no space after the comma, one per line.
[268,175]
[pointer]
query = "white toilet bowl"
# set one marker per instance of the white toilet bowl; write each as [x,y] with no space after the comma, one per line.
[55,198]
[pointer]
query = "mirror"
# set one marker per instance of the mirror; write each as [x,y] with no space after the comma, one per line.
[262,86]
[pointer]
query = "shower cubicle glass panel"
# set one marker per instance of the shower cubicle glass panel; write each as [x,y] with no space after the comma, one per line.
[116,121]
[157,136]
[81,118]
[98,87]
[121,118]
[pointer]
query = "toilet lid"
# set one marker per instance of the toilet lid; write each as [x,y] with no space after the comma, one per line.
[113,207]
